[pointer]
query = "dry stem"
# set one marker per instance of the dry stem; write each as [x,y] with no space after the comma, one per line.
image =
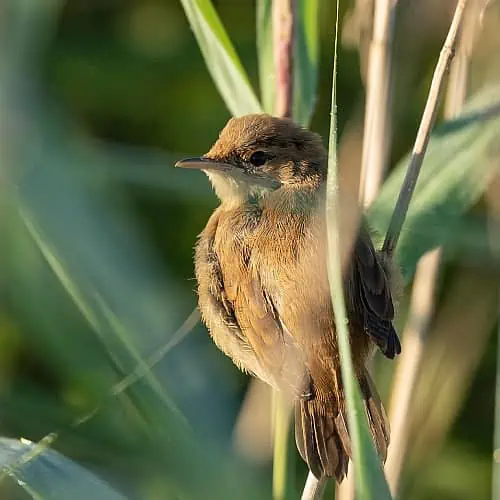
[424,131]
[377,130]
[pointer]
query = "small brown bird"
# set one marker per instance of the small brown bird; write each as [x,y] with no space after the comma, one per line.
[263,284]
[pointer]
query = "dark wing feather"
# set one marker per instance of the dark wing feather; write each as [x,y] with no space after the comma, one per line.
[370,297]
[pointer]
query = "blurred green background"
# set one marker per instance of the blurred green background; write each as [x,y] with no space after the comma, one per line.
[98,100]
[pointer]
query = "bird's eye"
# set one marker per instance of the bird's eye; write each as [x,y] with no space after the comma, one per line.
[258,158]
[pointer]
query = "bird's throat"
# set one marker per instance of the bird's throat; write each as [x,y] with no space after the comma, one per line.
[234,192]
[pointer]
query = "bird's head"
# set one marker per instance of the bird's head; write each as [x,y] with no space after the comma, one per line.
[257,154]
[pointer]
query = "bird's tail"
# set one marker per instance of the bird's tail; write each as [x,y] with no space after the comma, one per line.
[322,442]
[323,439]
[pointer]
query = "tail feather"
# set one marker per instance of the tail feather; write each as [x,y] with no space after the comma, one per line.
[318,441]
[323,439]
[306,439]
[341,424]
[325,443]
[377,418]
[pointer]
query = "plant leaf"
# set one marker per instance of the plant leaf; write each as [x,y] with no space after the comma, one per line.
[369,477]
[305,74]
[462,156]
[222,61]
[267,74]
[305,65]
[46,474]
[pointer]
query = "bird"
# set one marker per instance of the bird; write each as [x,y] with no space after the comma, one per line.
[262,283]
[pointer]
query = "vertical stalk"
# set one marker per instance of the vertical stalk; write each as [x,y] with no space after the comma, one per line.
[377,129]
[283,41]
[283,14]
[377,132]
[369,479]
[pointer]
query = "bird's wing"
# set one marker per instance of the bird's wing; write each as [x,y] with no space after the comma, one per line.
[216,308]
[369,296]
[272,343]
[239,312]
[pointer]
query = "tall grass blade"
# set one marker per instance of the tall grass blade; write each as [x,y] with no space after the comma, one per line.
[220,57]
[48,475]
[369,477]
[306,51]
[267,74]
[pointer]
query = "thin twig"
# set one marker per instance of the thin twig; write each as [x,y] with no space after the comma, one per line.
[424,131]
[283,38]
[422,304]
[377,129]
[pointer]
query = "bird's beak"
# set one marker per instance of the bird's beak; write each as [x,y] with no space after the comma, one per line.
[210,165]
[203,163]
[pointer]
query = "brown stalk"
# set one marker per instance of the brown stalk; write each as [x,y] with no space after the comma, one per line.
[283,12]
[283,37]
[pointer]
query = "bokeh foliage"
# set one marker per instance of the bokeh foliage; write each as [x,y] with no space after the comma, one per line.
[97,100]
